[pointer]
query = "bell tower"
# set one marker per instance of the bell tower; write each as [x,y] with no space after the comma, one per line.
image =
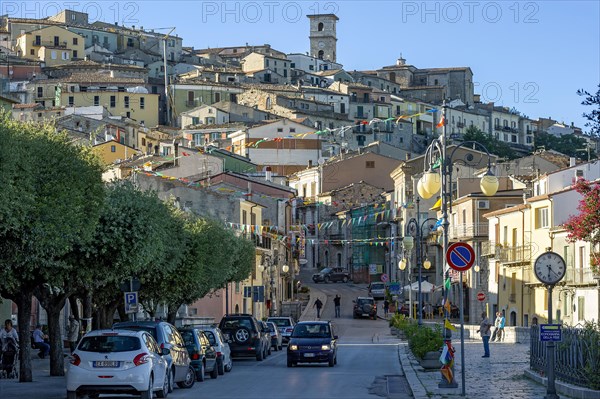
[323,40]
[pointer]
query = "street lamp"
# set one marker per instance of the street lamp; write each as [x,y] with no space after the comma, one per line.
[432,181]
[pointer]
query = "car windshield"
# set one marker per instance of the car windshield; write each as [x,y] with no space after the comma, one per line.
[311,331]
[326,270]
[377,286]
[188,338]
[364,301]
[271,327]
[280,322]
[111,343]
[237,323]
[211,337]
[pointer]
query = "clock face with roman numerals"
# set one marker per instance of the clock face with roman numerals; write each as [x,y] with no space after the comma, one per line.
[550,268]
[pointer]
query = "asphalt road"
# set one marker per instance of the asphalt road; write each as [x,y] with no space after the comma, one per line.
[366,355]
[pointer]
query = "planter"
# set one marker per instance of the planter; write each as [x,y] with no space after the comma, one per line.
[431,361]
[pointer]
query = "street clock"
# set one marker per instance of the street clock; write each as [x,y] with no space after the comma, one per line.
[550,268]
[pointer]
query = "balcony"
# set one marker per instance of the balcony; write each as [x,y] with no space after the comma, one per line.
[49,43]
[579,276]
[468,230]
[513,255]
[460,125]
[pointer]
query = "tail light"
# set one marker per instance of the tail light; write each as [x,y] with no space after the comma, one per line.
[75,360]
[141,359]
[195,356]
[219,354]
[290,329]
[162,346]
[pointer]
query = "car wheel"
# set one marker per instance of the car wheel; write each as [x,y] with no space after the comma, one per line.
[200,374]
[190,379]
[148,394]
[171,381]
[331,362]
[326,280]
[260,355]
[241,335]
[220,367]
[229,366]
[269,351]
[71,395]
[165,388]
[279,347]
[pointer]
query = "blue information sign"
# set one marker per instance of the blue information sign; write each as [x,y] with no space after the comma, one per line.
[550,332]
[394,288]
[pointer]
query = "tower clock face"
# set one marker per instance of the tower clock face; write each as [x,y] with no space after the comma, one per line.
[550,268]
[321,44]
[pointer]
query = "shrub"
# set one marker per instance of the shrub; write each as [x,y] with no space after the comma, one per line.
[424,339]
[304,290]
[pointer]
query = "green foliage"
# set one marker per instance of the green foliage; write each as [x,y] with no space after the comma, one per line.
[494,146]
[591,339]
[594,116]
[568,144]
[304,290]
[424,339]
[400,321]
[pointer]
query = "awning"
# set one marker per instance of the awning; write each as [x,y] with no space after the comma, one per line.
[437,205]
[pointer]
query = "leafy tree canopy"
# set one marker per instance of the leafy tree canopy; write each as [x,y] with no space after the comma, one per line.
[593,116]
[568,144]
[494,146]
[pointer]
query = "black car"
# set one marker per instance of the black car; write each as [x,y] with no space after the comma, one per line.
[364,307]
[331,274]
[245,336]
[167,336]
[312,342]
[203,355]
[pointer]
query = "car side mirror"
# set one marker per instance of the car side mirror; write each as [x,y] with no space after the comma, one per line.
[335,337]
[165,352]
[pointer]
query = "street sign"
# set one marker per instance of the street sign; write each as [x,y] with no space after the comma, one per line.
[550,332]
[480,296]
[384,278]
[394,288]
[131,302]
[372,268]
[460,256]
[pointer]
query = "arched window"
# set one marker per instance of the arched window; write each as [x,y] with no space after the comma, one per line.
[268,103]
[321,54]
[320,27]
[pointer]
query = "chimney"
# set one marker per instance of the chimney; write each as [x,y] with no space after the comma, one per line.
[268,174]
[572,162]
[310,163]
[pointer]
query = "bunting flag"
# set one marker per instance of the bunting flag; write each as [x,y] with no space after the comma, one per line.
[447,283]
[447,373]
[448,325]
[447,306]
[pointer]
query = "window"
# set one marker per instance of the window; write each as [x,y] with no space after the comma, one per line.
[292,130]
[497,123]
[75,53]
[56,40]
[279,130]
[96,100]
[320,27]
[65,55]
[113,148]
[113,101]
[142,102]
[32,52]
[40,92]
[217,97]
[53,55]
[126,101]
[513,138]
[370,164]
[75,41]
[38,40]
[541,218]
[71,101]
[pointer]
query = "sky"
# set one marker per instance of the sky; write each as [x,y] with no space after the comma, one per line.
[530,55]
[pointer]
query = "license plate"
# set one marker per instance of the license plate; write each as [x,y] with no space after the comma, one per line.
[365,314]
[106,363]
[309,355]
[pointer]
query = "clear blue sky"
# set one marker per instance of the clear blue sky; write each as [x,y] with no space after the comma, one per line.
[532,55]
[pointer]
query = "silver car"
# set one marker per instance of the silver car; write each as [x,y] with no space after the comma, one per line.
[284,324]
[218,342]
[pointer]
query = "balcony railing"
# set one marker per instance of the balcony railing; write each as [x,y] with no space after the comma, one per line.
[517,254]
[468,230]
[579,276]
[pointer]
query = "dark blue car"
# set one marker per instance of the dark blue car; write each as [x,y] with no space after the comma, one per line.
[312,342]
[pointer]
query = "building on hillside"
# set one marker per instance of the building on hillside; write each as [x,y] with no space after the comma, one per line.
[323,36]
[114,71]
[112,152]
[370,78]
[34,112]
[216,135]
[52,45]
[308,63]
[520,233]
[7,103]
[268,65]
[186,97]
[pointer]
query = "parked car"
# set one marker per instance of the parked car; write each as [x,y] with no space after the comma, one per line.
[218,342]
[364,307]
[203,355]
[377,290]
[244,335]
[284,324]
[118,362]
[332,274]
[276,338]
[312,342]
[167,336]
[266,335]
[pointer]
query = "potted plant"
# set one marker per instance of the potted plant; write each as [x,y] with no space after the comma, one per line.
[425,344]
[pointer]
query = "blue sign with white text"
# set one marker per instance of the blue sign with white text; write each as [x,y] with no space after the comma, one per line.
[550,333]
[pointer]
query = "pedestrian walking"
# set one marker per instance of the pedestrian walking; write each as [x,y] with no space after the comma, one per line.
[8,332]
[318,304]
[73,334]
[484,331]
[496,327]
[386,307]
[337,302]
[39,341]
[501,329]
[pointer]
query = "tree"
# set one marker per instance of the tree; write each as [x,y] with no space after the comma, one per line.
[594,116]
[567,144]
[494,146]
[51,193]
[585,226]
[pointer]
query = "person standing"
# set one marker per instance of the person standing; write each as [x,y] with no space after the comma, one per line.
[484,331]
[318,304]
[73,333]
[39,341]
[8,332]
[386,308]
[337,302]
[496,328]
[501,328]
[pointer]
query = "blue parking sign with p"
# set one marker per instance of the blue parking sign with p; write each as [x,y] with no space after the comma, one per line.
[131,302]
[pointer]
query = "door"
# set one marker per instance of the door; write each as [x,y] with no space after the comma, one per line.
[179,351]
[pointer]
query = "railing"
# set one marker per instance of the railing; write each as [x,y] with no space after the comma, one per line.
[579,276]
[49,43]
[460,125]
[516,254]
[576,356]
[468,230]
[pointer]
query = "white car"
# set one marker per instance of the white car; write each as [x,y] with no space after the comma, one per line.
[218,342]
[118,362]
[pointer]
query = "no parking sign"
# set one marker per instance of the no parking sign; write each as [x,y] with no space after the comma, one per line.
[460,256]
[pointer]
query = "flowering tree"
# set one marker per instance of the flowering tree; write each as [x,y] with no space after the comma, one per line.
[586,225]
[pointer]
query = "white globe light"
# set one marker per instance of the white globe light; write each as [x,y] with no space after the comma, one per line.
[261,268]
[402,264]
[432,182]
[421,190]
[489,185]
[285,268]
[408,242]
[427,264]
[476,268]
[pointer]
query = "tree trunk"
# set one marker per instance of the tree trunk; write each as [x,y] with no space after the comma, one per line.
[74,307]
[23,301]
[172,314]
[87,312]
[57,360]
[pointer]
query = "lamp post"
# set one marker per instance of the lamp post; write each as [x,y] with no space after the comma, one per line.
[434,181]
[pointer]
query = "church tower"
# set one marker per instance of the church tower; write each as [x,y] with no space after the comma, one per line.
[323,40]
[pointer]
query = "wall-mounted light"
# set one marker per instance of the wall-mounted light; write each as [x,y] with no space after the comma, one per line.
[427,264]
[402,264]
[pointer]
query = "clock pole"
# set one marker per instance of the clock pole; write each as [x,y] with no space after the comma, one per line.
[551,390]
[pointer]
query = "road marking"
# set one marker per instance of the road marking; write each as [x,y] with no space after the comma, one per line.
[391,344]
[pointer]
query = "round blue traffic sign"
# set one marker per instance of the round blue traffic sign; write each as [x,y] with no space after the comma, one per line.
[460,256]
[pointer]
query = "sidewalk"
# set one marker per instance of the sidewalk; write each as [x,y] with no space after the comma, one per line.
[51,387]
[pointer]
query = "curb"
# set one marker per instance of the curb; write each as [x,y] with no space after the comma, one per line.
[570,390]
[414,382]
